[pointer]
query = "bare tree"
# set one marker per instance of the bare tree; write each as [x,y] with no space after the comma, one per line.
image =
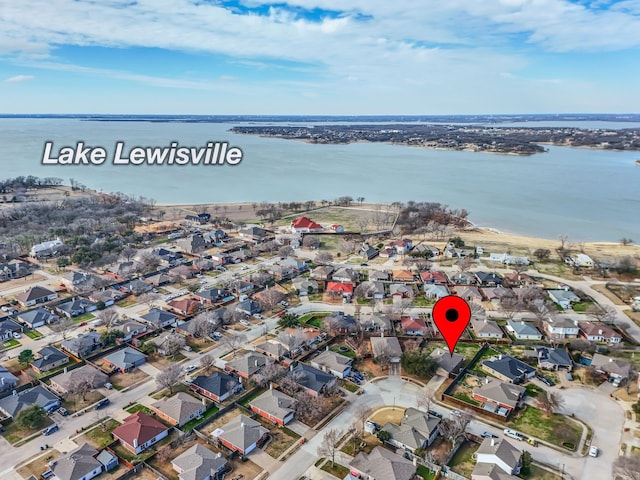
[362,223]
[63,326]
[510,304]
[464,264]
[424,400]
[80,385]
[549,402]
[150,299]
[292,338]
[173,344]
[128,253]
[323,258]
[270,298]
[202,325]
[270,372]
[234,341]
[627,468]
[329,445]
[169,377]
[453,428]
[477,310]
[347,246]
[361,414]
[286,251]
[602,313]
[309,241]
[207,362]
[109,317]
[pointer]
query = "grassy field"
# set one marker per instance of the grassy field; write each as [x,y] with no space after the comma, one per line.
[532,421]
[100,436]
[339,348]
[537,473]
[14,433]
[425,473]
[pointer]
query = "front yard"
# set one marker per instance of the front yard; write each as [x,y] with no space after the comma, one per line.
[100,435]
[75,403]
[187,427]
[124,380]
[16,434]
[39,465]
[557,429]
[281,439]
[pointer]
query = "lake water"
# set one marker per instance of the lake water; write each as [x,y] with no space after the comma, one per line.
[586,194]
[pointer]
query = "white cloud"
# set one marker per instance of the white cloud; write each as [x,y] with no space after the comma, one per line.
[19,78]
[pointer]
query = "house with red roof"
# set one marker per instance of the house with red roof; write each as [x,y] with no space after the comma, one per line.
[139,432]
[184,306]
[401,246]
[434,277]
[333,290]
[336,228]
[305,225]
[413,326]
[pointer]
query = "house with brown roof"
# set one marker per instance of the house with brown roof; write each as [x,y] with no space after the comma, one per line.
[184,306]
[139,432]
[403,276]
[468,293]
[179,409]
[35,295]
[435,277]
[518,279]
[382,464]
[247,365]
[413,326]
[599,332]
[275,406]
[241,434]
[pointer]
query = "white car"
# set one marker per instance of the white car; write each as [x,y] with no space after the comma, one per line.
[246,323]
[190,368]
[593,451]
[16,335]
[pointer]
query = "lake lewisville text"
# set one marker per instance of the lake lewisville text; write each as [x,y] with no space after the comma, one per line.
[213,153]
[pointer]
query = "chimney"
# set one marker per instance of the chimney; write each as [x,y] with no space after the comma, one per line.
[600,332]
[204,403]
[65,369]
[135,443]
[500,357]
[493,442]
[486,380]
[14,393]
[270,385]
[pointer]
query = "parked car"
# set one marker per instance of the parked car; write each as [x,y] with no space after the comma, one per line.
[16,335]
[434,413]
[246,323]
[63,411]
[259,316]
[358,375]
[456,413]
[488,435]
[246,267]
[593,451]
[47,474]
[216,336]
[108,386]
[190,368]
[532,441]
[513,434]
[50,429]
[545,380]
[102,403]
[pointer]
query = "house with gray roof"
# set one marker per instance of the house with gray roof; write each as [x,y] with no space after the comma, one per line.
[199,463]
[249,307]
[214,295]
[193,244]
[561,328]
[48,358]
[65,382]
[447,364]
[312,380]
[345,275]
[275,406]
[382,464]
[179,409]
[35,295]
[499,397]
[83,345]
[8,328]
[616,368]
[108,296]
[14,269]
[218,386]
[46,249]
[79,464]
[562,297]
[553,358]
[38,317]
[305,285]
[417,429]
[523,330]
[125,360]
[498,452]
[486,328]
[509,369]
[386,347]
[256,234]
[374,323]
[468,293]
[272,348]
[75,307]
[157,318]
[322,273]
[333,362]
[247,365]
[435,291]
[242,434]
[8,381]
[76,281]
[131,329]
[10,406]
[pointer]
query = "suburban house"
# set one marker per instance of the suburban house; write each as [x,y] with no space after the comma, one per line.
[160,279]
[46,249]
[65,382]
[255,234]
[304,286]
[242,434]
[416,430]
[14,269]
[523,330]
[184,306]
[381,464]
[488,279]
[48,359]
[413,326]
[509,369]
[247,365]
[402,246]
[38,317]
[168,258]
[125,360]
[8,381]
[192,244]
[435,291]
[139,432]
[468,293]
[517,280]
[553,358]
[214,295]
[199,219]
[495,294]
[200,463]
[345,275]
[400,290]
[322,273]
[182,272]
[463,278]
[333,362]
[272,348]
[179,409]
[8,328]
[368,252]
[493,454]
[108,296]
[374,323]
[157,318]
[84,344]
[340,322]
[581,260]
[312,380]
[447,364]
[434,277]
[508,259]
[560,328]
[305,225]
[435,251]
[499,397]
[616,368]
[372,289]
[75,307]
[248,307]
[35,295]
[486,328]
[131,329]
[562,297]
[379,276]
[599,332]
[10,406]
[82,463]
[75,281]
[339,289]
[275,406]
[218,386]
[136,286]
[403,276]
[240,286]
[386,347]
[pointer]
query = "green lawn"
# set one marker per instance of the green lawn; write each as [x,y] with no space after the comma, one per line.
[463,462]
[421,301]
[187,427]
[139,408]
[533,390]
[336,469]
[249,399]
[84,318]
[347,353]
[532,421]
[11,343]
[537,473]
[581,307]
[352,387]
[466,398]
[34,334]
[15,434]
[425,473]
[314,319]
[100,435]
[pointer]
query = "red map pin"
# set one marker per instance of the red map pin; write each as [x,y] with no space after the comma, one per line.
[451,315]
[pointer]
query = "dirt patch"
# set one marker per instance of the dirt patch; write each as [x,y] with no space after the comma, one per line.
[39,465]
[124,380]
[389,414]
[369,368]
[608,293]
[220,421]
[75,403]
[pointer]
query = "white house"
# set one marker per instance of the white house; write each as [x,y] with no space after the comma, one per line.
[523,330]
[562,327]
[499,452]
[564,298]
[46,249]
[582,261]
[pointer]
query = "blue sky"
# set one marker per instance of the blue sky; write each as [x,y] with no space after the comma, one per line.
[319,56]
